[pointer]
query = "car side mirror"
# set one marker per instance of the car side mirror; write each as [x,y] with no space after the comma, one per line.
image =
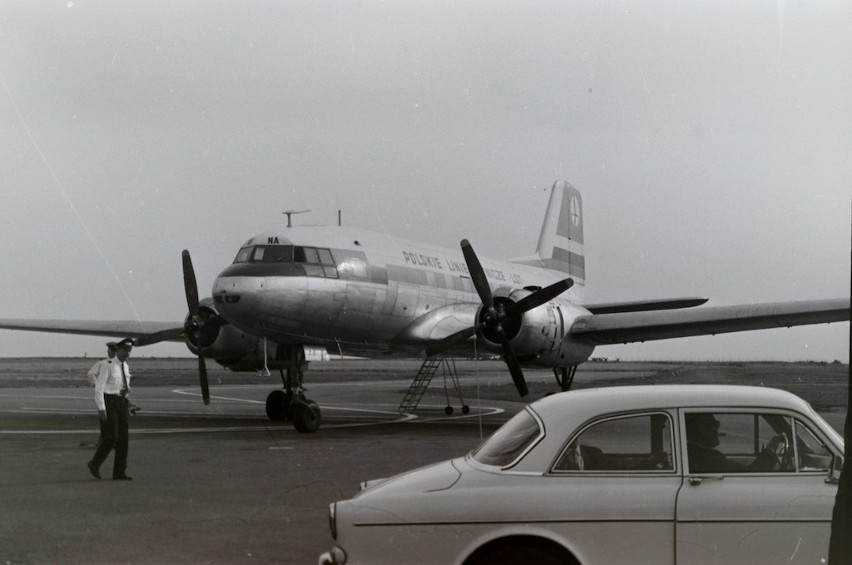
[835,470]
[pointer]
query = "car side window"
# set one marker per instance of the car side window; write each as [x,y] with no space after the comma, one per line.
[811,453]
[626,443]
[744,442]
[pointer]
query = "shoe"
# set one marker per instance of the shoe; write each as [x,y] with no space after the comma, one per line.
[122,478]
[93,470]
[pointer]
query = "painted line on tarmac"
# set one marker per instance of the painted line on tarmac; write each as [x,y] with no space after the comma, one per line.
[483,410]
[395,417]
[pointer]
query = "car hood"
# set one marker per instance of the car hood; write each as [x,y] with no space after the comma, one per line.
[438,476]
[403,497]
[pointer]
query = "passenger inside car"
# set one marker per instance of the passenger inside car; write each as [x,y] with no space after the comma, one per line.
[702,434]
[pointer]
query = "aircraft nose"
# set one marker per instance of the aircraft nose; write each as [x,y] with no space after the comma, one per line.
[254,302]
[234,297]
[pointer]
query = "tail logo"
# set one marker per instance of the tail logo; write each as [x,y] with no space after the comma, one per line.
[575,211]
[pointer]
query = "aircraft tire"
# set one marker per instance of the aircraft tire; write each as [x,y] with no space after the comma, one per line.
[275,405]
[306,416]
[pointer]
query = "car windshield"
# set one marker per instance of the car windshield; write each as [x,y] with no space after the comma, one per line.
[510,441]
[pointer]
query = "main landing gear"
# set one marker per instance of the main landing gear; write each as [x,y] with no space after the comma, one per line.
[291,402]
[565,376]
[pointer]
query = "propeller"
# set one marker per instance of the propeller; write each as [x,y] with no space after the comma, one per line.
[494,317]
[156,337]
[194,322]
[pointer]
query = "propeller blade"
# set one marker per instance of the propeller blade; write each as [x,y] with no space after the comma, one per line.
[477,274]
[539,297]
[202,376]
[189,283]
[156,337]
[514,368]
[450,341]
[195,322]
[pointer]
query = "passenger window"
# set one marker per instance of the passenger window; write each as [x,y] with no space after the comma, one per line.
[739,442]
[629,443]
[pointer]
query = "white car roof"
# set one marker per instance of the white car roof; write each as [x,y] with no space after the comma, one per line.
[587,403]
[565,412]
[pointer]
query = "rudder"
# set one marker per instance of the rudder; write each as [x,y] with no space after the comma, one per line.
[560,244]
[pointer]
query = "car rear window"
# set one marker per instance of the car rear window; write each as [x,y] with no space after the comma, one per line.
[511,441]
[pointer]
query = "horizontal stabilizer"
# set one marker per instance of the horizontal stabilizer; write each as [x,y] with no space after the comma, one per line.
[629,327]
[644,305]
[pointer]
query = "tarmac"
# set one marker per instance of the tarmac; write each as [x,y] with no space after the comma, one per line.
[211,484]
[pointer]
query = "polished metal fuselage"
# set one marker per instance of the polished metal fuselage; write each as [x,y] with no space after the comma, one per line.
[386,295]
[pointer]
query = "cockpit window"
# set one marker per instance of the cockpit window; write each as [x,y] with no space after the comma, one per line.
[306,255]
[243,255]
[273,254]
[316,262]
[325,257]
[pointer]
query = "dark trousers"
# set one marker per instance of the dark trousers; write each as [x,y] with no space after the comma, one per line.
[114,434]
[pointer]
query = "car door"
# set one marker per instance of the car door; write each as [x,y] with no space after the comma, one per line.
[751,508]
[619,482]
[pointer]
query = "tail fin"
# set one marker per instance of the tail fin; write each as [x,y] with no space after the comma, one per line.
[560,245]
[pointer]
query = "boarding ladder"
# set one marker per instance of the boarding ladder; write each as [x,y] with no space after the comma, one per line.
[421,382]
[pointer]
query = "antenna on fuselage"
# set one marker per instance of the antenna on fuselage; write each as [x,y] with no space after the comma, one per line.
[289,214]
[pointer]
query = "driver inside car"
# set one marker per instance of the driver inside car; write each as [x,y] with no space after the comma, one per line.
[702,434]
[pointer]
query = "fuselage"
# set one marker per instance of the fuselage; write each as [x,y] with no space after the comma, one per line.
[359,292]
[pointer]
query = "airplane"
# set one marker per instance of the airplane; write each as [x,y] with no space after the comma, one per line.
[293,291]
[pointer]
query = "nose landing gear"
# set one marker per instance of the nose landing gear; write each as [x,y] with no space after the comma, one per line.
[291,402]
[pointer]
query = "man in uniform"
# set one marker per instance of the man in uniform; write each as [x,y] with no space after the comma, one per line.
[112,385]
[93,372]
[92,375]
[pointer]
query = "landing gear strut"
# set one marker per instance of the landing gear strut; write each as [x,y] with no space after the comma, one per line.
[565,376]
[291,402]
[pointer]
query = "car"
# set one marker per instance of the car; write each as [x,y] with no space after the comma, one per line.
[635,474]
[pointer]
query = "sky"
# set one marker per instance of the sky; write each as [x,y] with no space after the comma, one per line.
[711,140]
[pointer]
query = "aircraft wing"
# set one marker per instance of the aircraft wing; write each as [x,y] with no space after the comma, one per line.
[628,327]
[644,305]
[144,331]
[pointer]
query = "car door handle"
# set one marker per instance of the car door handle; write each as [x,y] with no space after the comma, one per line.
[695,481]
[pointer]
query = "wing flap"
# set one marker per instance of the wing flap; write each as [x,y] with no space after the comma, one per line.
[629,327]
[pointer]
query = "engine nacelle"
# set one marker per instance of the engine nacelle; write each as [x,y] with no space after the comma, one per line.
[238,351]
[541,335]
